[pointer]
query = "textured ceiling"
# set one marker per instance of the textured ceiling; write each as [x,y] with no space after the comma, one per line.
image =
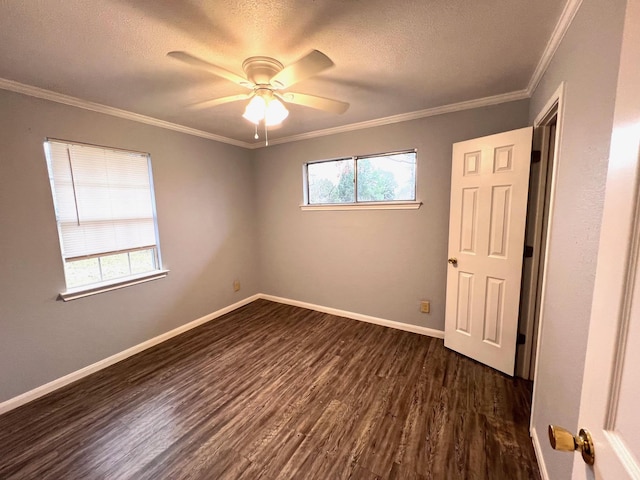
[391,57]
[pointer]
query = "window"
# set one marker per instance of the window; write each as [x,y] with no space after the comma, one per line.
[105,212]
[380,178]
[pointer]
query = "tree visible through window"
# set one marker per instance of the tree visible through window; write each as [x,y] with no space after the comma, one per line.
[105,212]
[373,178]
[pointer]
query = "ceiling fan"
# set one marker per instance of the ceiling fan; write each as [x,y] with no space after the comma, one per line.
[266,78]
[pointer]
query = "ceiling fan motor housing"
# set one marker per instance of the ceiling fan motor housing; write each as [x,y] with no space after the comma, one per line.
[267,78]
[260,70]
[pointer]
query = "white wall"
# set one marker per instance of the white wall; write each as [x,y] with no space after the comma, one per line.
[376,262]
[206,217]
[587,60]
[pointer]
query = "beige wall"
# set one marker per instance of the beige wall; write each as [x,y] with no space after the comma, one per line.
[587,61]
[206,217]
[375,262]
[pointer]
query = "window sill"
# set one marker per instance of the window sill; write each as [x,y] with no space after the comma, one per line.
[365,206]
[94,289]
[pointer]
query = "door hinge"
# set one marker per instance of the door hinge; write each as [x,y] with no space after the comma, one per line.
[522,339]
[528,251]
[536,156]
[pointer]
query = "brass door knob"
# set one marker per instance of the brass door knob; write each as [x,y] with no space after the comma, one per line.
[453,261]
[563,440]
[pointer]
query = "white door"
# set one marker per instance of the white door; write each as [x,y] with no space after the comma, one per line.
[489,186]
[611,385]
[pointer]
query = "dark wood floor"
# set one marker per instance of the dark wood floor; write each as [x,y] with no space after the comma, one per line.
[273,391]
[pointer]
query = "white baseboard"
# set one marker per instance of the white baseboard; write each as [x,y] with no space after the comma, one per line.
[42,390]
[430,332]
[538,450]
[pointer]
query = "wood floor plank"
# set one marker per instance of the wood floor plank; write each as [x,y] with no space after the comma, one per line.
[272,391]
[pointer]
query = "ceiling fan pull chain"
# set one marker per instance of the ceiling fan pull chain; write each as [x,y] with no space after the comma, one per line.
[256,135]
[266,137]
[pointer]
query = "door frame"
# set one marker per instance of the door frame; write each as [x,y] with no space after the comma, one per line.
[535,240]
[543,118]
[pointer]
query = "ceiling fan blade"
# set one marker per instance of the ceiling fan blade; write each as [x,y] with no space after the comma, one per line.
[311,64]
[313,101]
[219,101]
[210,67]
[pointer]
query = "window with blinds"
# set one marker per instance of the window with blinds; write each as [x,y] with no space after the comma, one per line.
[105,211]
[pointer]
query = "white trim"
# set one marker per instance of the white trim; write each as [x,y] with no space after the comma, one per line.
[403,117]
[556,98]
[566,17]
[42,390]
[49,387]
[541,120]
[564,22]
[365,206]
[37,92]
[89,290]
[430,332]
[537,448]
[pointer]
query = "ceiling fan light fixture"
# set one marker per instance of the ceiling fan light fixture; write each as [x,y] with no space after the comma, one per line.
[264,107]
[275,113]
[265,76]
[255,110]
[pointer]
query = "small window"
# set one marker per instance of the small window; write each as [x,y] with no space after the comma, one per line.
[386,177]
[105,212]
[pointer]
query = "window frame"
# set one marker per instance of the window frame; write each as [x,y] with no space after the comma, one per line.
[72,293]
[360,205]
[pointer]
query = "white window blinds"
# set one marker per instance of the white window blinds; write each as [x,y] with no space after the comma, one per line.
[103,199]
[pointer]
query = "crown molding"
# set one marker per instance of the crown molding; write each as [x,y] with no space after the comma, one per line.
[115,112]
[566,17]
[564,22]
[403,117]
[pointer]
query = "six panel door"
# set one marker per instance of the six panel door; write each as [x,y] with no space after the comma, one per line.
[489,189]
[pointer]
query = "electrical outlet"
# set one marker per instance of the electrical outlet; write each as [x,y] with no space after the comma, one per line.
[425,306]
[236,285]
